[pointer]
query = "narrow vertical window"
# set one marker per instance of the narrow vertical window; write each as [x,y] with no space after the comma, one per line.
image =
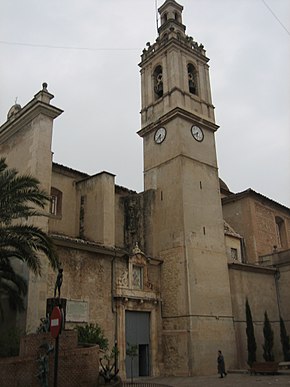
[177,17]
[281,232]
[192,79]
[55,201]
[82,217]
[164,18]
[158,82]
[53,205]
[137,277]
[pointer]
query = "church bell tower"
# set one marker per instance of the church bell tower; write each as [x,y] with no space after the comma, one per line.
[180,165]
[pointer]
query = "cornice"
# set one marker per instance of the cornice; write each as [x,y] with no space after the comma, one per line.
[251,193]
[252,268]
[26,115]
[81,244]
[180,113]
[161,46]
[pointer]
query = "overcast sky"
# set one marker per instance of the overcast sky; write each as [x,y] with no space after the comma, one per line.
[88,52]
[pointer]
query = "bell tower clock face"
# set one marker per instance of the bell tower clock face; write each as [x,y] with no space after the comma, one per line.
[197,133]
[160,135]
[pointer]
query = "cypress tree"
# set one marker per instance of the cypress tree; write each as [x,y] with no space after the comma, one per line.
[268,340]
[284,340]
[251,341]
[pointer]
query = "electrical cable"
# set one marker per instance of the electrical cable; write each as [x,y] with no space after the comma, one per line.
[275,16]
[67,47]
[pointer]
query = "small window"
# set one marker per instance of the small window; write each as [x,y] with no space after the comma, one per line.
[137,277]
[82,217]
[281,232]
[177,16]
[164,18]
[192,79]
[55,201]
[53,205]
[158,82]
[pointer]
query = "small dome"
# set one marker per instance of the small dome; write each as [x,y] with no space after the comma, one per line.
[13,110]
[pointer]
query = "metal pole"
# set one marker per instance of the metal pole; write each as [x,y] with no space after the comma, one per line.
[115,357]
[56,361]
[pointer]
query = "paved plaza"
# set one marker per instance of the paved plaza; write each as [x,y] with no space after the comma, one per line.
[232,379]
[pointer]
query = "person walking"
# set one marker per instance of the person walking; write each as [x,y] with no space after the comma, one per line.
[221,364]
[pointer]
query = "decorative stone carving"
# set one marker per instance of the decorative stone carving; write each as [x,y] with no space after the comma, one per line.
[123,279]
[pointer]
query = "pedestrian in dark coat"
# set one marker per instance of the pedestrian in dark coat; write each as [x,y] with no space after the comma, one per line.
[221,364]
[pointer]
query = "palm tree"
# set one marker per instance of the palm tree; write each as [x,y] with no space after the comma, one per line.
[13,287]
[20,199]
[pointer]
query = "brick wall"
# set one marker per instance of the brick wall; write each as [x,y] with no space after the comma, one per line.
[78,366]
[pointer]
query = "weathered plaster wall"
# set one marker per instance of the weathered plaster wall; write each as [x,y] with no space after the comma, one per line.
[138,228]
[66,222]
[258,285]
[87,277]
[255,221]
[25,141]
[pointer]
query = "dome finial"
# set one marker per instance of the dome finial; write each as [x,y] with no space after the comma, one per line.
[14,109]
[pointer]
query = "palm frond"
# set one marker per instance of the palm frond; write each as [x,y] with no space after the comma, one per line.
[13,287]
[20,199]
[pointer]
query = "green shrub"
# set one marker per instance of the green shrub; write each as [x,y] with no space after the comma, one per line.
[284,340]
[251,341]
[268,340]
[92,334]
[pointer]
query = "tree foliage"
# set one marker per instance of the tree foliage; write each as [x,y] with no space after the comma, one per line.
[12,287]
[92,334]
[20,199]
[251,341]
[268,339]
[10,343]
[284,340]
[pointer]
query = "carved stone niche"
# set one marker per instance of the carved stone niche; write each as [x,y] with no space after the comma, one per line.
[138,271]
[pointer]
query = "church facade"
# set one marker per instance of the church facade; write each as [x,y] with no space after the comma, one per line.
[168,269]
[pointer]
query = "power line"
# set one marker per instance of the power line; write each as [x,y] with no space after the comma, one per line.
[69,47]
[275,16]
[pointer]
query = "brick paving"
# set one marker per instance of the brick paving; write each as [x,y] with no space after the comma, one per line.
[232,379]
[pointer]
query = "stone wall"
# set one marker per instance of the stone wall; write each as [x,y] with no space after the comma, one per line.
[78,366]
[255,220]
[87,277]
[258,285]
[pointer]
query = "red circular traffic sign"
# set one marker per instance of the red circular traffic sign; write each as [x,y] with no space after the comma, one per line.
[55,322]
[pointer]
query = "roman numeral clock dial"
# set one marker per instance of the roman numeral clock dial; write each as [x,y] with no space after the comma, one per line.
[197,133]
[160,135]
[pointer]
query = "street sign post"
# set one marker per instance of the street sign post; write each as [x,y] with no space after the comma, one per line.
[55,329]
[55,322]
